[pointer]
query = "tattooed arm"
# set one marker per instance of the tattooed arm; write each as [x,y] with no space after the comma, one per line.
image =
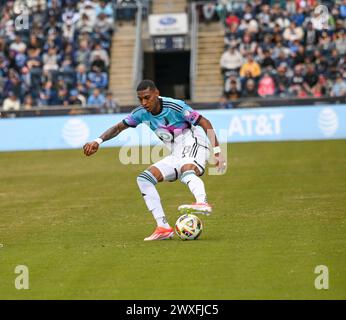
[92,147]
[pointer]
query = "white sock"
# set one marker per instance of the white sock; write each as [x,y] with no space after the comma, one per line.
[195,184]
[146,183]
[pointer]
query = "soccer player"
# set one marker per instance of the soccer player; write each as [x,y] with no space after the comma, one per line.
[174,122]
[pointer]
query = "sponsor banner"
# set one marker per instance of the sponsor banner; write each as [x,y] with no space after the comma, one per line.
[168,24]
[237,125]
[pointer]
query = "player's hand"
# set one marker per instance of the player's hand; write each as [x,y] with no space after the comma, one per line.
[90,148]
[220,163]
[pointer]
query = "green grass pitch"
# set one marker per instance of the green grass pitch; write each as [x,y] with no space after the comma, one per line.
[78,224]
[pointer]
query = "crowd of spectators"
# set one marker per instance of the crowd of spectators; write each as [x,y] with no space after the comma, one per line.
[281,48]
[273,48]
[55,52]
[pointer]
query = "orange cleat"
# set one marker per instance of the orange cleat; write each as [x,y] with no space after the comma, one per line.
[161,233]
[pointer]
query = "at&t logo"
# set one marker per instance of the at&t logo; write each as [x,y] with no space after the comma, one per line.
[328,122]
[75,132]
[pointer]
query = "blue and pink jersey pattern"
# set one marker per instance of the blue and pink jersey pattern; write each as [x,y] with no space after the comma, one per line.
[175,116]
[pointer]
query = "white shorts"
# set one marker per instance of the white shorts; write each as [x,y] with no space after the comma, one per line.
[188,148]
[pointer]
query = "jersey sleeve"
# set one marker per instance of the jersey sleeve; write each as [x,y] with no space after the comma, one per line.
[133,119]
[190,115]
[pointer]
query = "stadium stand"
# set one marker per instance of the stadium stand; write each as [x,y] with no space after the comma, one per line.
[75,52]
[63,55]
[273,47]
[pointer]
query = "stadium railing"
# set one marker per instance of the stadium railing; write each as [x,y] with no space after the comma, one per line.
[194,48]
[140,9]
[51,111]
[138,54]
[285,101]
[239,103]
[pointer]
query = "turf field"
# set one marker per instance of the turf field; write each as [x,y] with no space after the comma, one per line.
[78,224]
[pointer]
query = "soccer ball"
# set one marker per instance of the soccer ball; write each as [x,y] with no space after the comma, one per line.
[188,227]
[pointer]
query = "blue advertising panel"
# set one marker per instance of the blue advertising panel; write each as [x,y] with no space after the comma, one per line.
[236,125]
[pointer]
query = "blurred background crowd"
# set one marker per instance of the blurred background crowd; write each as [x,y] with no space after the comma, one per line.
[272,49]
[281,49]
[61,59]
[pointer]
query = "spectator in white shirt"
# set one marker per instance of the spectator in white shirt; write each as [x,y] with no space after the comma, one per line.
[18,45]
[50,60]
[89,10]
[283,20]
[102,53]
[339,87]
[11,102]
[231,60]
[293,33]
